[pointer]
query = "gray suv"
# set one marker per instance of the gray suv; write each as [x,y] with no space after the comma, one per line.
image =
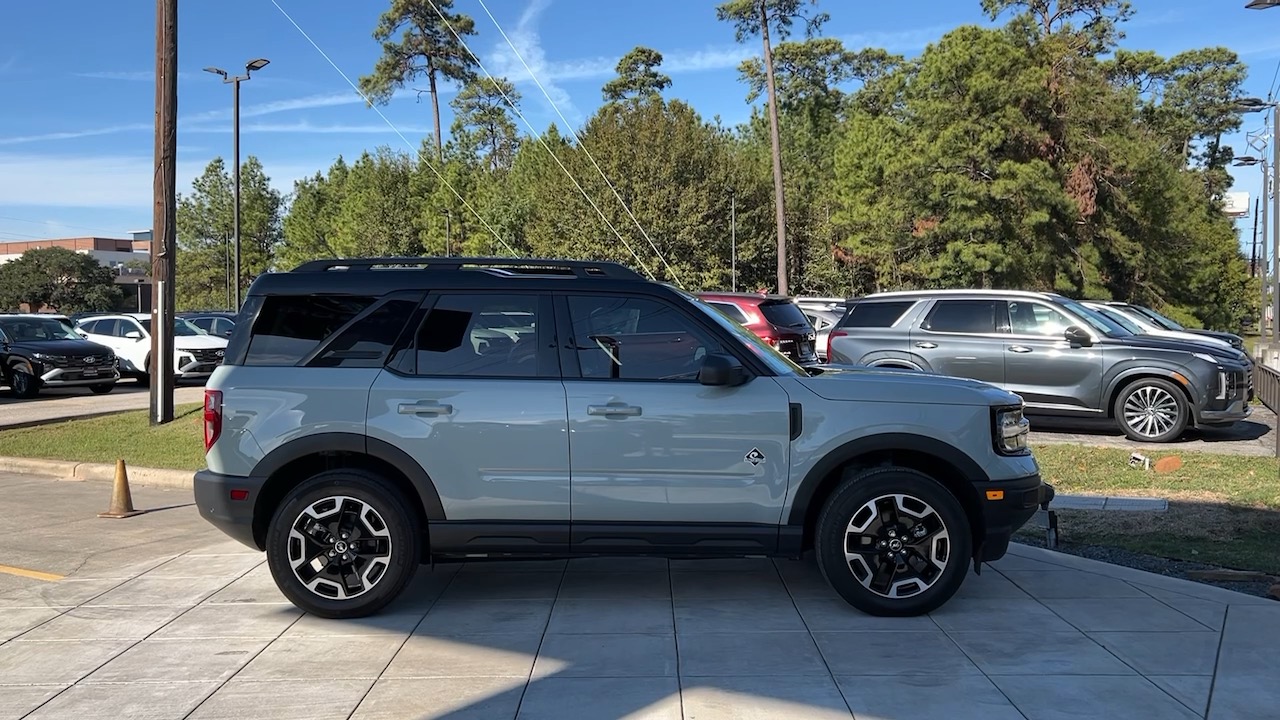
[1059,356]
[372,415]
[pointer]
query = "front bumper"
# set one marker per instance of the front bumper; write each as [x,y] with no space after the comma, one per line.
[233,517]
[1007,505]
[1236,411]
[60,377]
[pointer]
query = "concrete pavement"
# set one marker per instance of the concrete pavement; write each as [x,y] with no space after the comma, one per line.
[68,403]
[161,617]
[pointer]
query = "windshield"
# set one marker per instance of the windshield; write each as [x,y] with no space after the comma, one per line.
[1096,320]
[1120,319]
[181,328]
[776,361]
[28,329]
[1163,321]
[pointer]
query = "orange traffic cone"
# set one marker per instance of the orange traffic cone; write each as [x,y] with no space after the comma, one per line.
[121,498]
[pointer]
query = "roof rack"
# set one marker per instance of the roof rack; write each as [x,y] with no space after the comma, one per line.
[498,266]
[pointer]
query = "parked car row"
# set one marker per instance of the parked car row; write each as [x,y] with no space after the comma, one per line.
[96,350]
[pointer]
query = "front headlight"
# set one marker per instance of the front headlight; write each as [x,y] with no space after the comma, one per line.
[42,357]
[1010,431]
[1206,357]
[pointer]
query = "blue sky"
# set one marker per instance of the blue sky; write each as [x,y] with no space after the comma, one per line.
[76,135]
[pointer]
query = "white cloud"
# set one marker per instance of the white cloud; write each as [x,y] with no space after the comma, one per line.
[306,127]
[125,75]
[505,61]
[72,134]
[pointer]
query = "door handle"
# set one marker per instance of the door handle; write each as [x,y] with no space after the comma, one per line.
[608,410]
[425,409]
[926,345]
[1020,349]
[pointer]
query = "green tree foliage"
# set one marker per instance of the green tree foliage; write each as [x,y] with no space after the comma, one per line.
[57,279]
[206,231]
[482,123]
[638,77]
[432,45]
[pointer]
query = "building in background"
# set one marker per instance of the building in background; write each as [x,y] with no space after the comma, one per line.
[129,258]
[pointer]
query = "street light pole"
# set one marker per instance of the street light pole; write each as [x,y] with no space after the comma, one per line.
[235,81]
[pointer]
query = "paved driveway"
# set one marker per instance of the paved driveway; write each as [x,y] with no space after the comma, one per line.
[67,403]
[1254,436]
[194,627]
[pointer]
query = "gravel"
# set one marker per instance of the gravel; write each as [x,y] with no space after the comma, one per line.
[1150,563]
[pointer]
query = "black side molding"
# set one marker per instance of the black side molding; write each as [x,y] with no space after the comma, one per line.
[797,420]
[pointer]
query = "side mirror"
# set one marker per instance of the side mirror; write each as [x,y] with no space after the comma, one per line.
[723,370]
[133,335]
[1076,335]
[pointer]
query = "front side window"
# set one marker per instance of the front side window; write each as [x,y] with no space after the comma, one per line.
[962,316]
[1032,318]
[636,339]
[480,336]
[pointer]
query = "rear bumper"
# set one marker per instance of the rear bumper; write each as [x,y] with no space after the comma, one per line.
[233,517]
[1007,505]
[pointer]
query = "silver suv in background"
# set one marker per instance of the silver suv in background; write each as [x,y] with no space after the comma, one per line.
[1061,357]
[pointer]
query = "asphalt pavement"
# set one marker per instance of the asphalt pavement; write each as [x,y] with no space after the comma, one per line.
[69,403]
[1254,436]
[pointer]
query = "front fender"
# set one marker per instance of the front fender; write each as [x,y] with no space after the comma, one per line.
[1125,372]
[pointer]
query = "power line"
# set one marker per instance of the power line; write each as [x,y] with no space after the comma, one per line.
[542,140]
[577,139]
[394,129]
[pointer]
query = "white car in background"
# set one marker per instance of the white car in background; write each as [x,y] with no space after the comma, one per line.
[196,353]
[1129,320]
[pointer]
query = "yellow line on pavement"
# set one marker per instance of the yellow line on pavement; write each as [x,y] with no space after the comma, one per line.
[33,574]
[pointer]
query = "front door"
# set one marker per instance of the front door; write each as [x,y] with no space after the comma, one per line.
[962,338]
[657,458]
[476,399]
[1045,369]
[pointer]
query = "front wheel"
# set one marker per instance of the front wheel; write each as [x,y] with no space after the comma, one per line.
[1152,410]
[102,389]
[343,544]
[22,383]
[893,542]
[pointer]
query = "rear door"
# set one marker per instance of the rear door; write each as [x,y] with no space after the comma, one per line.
[963,338]
[475,397]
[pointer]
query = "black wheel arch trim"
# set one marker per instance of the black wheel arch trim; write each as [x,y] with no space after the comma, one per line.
[909,442]
[323,443]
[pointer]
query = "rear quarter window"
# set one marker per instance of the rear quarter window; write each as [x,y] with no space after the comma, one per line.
[876,314]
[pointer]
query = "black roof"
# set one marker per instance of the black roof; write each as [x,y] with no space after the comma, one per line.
[379,276]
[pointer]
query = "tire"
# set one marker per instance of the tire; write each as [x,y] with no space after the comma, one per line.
[906,492]
[22,384]
[1152,410]
[396,551]
[102,389]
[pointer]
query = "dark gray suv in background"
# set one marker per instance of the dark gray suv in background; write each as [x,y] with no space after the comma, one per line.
[1060,356]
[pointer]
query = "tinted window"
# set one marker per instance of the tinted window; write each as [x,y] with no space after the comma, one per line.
[204,323]
[876,314]
[731,311]
[287,329]
[636,339]
[480,335]
[223,326]
[962,316]
[366,342]
[784,314]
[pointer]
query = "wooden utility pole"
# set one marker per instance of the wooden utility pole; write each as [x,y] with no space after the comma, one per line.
[164,211]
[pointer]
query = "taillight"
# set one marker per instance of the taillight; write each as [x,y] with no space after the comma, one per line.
[212,417]
[836,334]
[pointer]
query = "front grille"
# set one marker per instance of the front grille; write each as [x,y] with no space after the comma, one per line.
[65,362]
[208,356]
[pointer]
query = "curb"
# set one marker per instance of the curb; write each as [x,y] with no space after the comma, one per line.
[70,470]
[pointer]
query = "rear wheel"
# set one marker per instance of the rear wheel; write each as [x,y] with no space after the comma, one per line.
[893,542]
[343,544]
[1152,410]
[22,383]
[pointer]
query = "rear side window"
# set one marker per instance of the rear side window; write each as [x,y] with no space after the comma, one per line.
[288,329]
[731,311]
[876,314]
[480,336]
[962,316]
[784,314]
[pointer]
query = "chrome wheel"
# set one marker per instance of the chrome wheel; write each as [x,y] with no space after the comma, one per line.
[1151,411]
[339,547]
[897,546]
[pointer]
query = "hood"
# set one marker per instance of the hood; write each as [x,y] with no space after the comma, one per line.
[1161,343]
[1232,338]
[856,382]
[73,348]
[199,342]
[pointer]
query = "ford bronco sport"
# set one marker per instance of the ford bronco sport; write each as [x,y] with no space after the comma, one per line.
[373,415]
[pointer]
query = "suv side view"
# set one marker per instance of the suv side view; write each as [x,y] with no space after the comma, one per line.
[1056,354]
[373,415]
